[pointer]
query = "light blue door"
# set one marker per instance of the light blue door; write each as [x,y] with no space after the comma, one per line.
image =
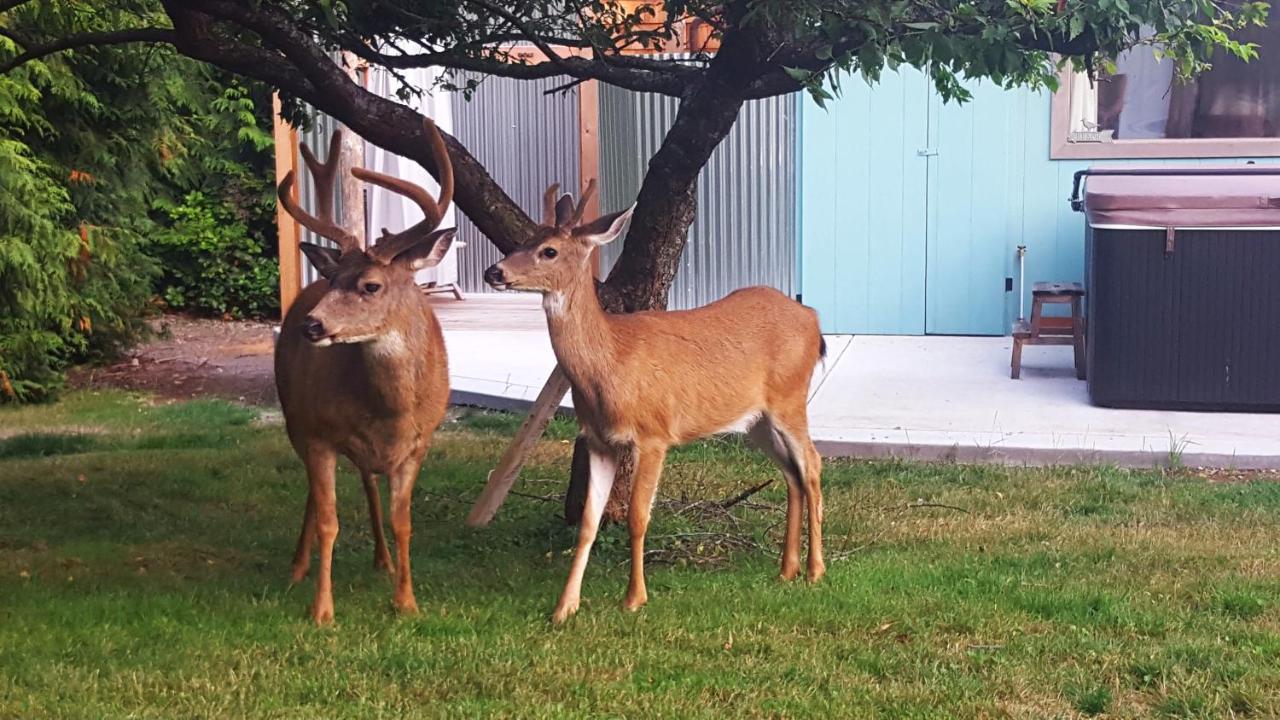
[976,156]
[905,207]
[863,206]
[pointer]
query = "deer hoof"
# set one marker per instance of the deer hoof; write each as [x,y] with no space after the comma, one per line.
[815,574]
[383,564]
[789,574]
[298,574]
[406,606]
[563,613]
[631,604]
[322,614]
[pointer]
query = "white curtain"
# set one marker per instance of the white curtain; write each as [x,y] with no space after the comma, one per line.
[390,210]
[1146,94]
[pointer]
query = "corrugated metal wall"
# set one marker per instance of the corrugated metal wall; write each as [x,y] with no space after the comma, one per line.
[744,232]
[527,140]
[745,229]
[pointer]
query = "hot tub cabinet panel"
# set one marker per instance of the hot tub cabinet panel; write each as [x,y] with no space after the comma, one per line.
[1184,288]
[1197,328]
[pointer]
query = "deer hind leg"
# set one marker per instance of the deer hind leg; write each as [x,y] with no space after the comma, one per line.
[321,466]
[644,486]
[793,423]
[766,436]
[813,494]
[381,556]
[604,466]
[302,553]
[402,480]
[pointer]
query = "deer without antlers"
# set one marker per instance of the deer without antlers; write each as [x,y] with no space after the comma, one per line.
[650,380]
[361,368]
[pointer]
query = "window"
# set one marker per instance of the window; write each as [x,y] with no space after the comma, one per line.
[1143,111]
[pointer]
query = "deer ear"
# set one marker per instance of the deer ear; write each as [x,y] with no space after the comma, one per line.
[428,251]
[324,259]
[604,228]
[564,210]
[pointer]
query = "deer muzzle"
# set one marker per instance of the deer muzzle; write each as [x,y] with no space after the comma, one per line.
[314,330]
[496,278]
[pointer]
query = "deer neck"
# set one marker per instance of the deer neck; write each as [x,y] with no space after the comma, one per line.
[580,330]
[395,362]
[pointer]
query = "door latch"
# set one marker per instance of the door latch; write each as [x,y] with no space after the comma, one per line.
[927,152]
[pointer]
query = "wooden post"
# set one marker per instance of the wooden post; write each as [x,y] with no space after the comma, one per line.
[589,153]
[286,227]
[504,476]
[351,155]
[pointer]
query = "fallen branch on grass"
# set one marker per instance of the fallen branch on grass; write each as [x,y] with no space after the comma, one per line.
[541,498]
[740,497]
[923,504]
[699,548]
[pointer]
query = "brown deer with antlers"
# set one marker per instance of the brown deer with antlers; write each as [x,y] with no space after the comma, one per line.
[650,380]
[361,368]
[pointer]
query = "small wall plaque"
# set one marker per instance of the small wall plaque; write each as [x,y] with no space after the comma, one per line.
[1090,136]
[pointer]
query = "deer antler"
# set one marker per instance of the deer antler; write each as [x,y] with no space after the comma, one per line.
[560,210]
[433,209]
[324,174]
[582,204]
[549,204]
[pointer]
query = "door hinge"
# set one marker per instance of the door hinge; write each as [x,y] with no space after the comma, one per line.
[1008,284]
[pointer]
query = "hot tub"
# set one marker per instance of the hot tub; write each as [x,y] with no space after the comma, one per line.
[1183,280]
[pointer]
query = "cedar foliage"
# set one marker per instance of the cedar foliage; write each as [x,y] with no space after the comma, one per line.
[101,152]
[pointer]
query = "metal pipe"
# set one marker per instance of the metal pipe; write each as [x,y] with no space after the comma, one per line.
[1022,282]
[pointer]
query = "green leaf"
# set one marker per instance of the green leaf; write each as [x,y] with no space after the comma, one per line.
[800,75]
[1076,26]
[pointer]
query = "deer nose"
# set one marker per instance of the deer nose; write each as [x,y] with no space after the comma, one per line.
[494,275]
[313,329]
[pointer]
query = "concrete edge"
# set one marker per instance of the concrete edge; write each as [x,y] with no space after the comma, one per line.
[497,402]
[1038,457]
[969,455]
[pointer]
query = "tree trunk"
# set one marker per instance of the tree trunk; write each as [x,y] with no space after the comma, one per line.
[642,277]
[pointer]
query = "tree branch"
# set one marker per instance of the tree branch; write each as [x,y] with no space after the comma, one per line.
[299,66]
[91,39]
[524,29]
[670,80]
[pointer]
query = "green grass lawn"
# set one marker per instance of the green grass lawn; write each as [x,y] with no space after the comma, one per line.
[144,555]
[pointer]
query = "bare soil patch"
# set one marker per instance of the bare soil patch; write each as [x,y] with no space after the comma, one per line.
[194,357]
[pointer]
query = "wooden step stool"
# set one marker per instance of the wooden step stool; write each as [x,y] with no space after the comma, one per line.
[1042,330]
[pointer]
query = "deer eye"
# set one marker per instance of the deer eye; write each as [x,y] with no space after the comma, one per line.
[549,253]
[370,288]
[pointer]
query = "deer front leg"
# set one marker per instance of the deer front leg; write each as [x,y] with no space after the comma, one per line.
[302,553]
[321,466]
[402,480]
[604,465]
[644,485]
[381,556]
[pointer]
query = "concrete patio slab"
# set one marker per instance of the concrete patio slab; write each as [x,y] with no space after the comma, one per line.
[928,398]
